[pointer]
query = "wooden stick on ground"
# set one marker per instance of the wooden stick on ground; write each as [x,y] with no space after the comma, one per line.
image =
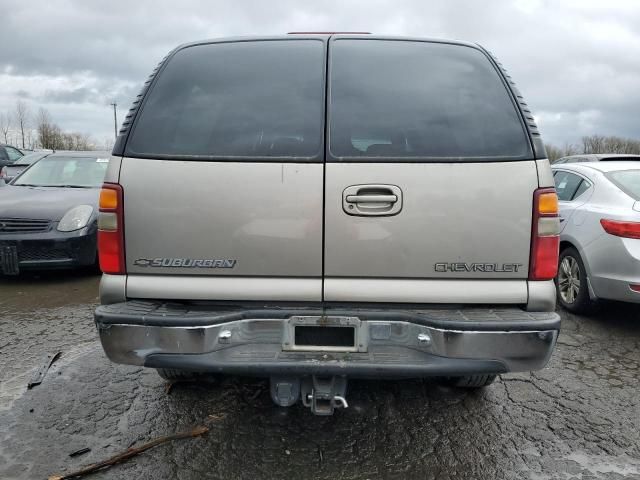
[130,452]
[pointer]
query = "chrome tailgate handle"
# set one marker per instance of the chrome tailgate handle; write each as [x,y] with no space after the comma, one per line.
[372,200]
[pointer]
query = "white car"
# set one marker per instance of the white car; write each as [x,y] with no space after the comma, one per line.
[600,233]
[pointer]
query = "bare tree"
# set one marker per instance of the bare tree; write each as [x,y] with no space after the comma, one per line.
[51,136]
[22,117]
[46,129]
[602,144]
[595,144]
[553,152]
[5,125]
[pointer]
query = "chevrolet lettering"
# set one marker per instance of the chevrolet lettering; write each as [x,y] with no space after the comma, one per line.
[478,267]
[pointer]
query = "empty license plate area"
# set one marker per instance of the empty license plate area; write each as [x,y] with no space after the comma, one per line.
[319,336]
[324,334]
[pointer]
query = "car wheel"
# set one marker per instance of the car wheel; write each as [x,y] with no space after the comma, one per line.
[470,381]
[571,283]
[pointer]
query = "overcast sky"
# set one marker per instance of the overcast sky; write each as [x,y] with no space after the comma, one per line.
[576,62]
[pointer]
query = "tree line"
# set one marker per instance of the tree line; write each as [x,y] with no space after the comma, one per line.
[25,130]
[595,144]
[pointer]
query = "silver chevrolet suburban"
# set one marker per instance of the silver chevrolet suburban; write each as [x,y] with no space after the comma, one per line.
[314,207]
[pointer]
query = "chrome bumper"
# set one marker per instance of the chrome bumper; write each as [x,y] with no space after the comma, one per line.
[400,346]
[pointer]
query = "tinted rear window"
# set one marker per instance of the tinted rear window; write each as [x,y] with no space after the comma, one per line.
[628,181]
[238,99]
[405,99]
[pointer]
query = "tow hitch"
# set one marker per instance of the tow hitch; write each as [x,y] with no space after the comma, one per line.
[321,394]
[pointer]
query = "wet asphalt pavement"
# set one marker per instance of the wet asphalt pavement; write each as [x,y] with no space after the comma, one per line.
[577,419]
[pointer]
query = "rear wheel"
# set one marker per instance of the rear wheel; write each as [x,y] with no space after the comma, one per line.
[571,283]
[177,375]
[470,381]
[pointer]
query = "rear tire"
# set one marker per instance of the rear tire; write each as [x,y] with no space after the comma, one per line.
[471,381]
[176,375]
[572,288]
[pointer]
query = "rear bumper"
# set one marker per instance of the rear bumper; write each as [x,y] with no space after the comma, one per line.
[616,288]
[613,265]
[390,343]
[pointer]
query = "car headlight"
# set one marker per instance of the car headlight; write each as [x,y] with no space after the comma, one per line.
[75,218]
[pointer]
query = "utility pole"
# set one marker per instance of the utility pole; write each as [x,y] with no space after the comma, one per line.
[115,119]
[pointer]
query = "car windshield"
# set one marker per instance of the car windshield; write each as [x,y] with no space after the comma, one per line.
[62,171]
[30,158]
[628,181]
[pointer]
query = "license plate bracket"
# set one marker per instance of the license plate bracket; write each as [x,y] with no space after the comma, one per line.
[9,260]
[324,334]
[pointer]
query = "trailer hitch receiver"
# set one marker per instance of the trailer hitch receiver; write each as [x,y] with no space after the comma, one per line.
[324,394]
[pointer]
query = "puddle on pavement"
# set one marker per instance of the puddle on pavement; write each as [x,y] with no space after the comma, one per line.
[15,387]
[598,464]
[29,291]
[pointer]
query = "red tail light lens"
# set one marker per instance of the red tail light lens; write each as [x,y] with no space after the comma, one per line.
[111,230]
[545,235]
[621,229]
[3,172]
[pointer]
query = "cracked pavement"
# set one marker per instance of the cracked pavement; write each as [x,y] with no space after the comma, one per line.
[577,419]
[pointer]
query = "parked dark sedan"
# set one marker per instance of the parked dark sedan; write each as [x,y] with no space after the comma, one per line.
[9,154]
[9,172]
[48,213]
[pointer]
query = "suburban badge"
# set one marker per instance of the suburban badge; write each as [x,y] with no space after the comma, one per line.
[186,262]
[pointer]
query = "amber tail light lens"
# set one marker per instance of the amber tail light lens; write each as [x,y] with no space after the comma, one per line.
[545,235]
[111,229]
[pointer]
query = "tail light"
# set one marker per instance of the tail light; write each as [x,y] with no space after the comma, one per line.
[621,229]
[3,172]
[545,235]
[111,229]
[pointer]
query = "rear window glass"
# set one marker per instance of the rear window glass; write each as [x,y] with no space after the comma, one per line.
[405,99]
[566,185]
[615,159]
[238,99]
[628,181]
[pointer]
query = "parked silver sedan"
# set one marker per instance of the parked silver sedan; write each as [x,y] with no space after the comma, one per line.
[600,233]
[596,157]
